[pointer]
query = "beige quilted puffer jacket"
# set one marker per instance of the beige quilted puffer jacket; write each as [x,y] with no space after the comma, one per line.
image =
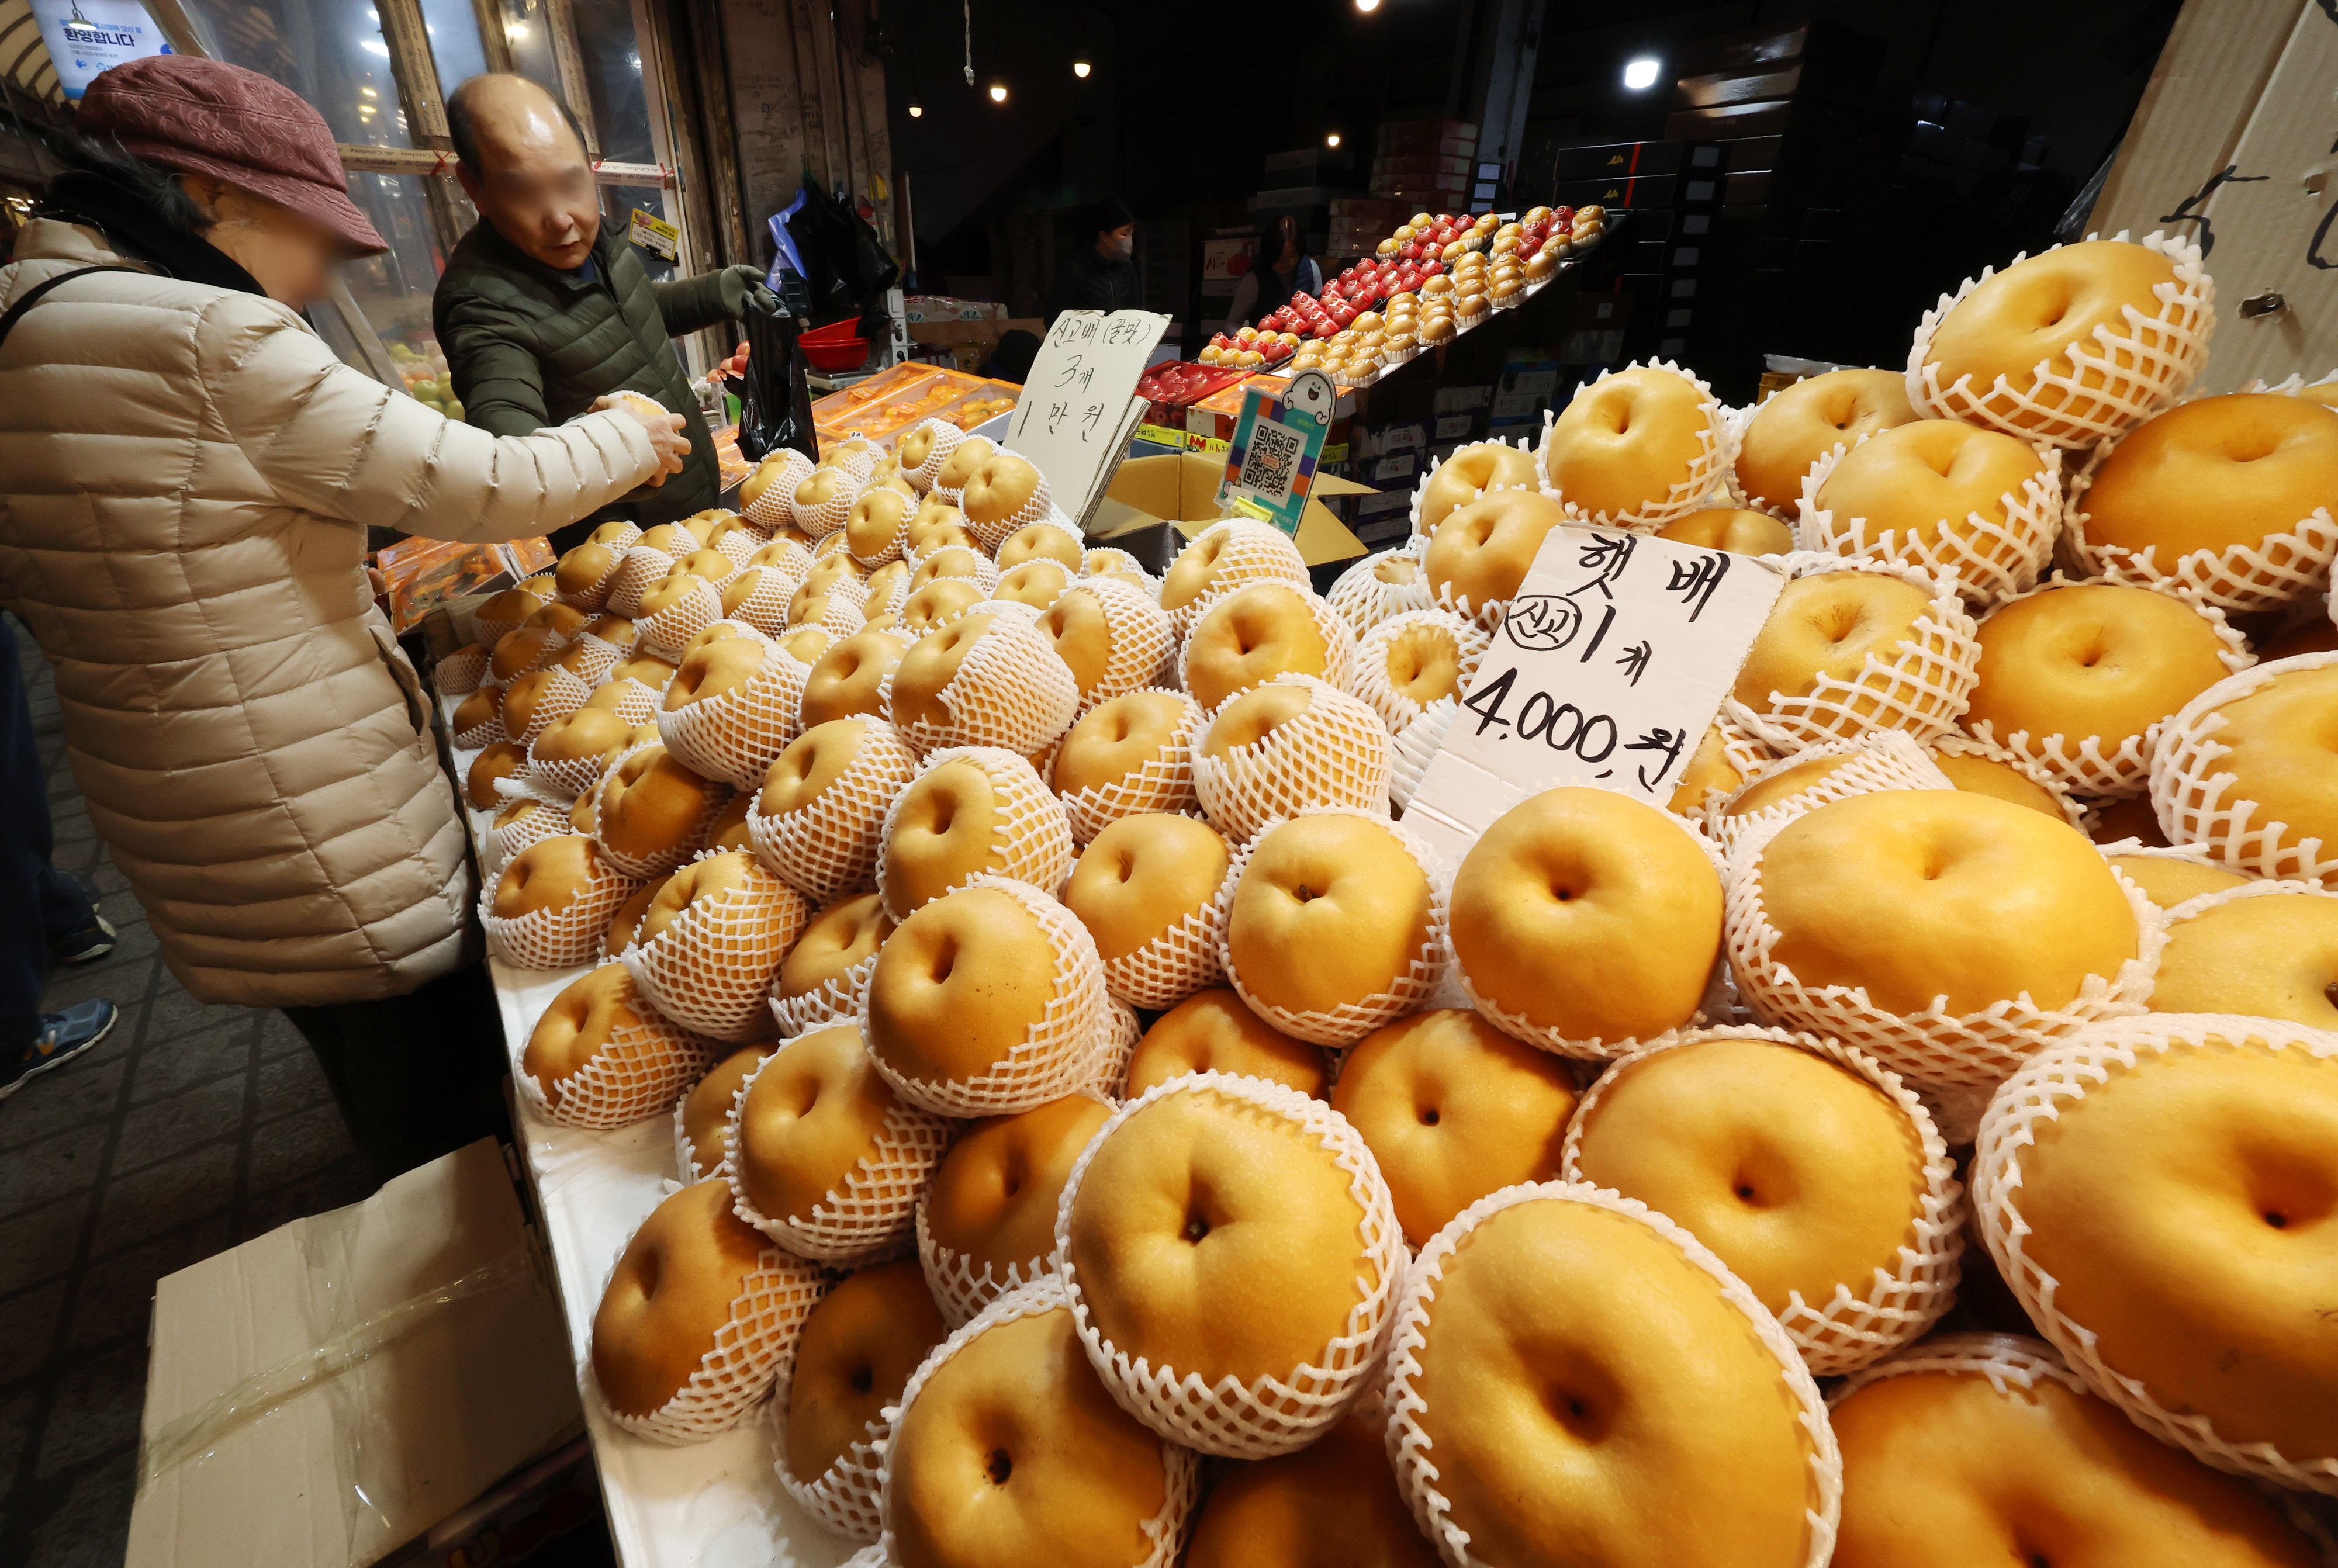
[185,478]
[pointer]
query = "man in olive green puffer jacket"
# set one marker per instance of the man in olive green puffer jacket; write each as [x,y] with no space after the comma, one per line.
[541,310]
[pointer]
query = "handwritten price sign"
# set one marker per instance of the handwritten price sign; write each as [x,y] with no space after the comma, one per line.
[1613,661]
[1079,406]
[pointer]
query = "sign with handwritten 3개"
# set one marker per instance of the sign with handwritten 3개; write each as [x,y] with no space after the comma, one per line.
[1079,405]
[1612,663]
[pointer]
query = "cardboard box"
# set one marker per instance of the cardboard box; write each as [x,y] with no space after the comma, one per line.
[324,1394]
[1181,492]
[2243,90]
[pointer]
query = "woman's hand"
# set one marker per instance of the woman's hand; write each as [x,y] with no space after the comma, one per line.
[664,429]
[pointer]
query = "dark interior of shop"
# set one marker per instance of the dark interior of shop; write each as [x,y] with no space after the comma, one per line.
[1920,141]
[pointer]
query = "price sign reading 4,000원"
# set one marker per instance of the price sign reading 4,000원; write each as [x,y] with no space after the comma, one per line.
[1613,658]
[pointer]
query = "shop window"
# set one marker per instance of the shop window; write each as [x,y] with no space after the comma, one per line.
[330,52]
[527,32]
[453,28]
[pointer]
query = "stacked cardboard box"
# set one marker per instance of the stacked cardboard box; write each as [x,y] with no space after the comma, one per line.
[1426,160]
[1359,223]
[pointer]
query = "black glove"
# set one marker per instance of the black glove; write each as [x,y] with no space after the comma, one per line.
[742,284]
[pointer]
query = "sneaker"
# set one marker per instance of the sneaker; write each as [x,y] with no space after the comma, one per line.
[63,1036]
[89,943]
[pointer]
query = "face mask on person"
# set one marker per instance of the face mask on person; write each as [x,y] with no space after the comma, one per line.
[1122,245]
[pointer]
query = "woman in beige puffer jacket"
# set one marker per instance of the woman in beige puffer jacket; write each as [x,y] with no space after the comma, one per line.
[186,476]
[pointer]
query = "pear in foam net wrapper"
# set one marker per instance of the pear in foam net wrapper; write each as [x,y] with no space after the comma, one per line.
[1798,424]
[1215,1030]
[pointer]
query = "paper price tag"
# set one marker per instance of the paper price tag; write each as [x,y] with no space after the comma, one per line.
[1079,407]
[655,235]
[1611,664]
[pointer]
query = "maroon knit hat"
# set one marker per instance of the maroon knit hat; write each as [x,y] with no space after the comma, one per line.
[209,117]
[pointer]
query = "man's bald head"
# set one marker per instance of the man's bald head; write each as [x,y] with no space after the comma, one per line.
[521,158]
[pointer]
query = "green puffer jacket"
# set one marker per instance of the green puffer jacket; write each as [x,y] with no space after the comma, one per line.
[529,347]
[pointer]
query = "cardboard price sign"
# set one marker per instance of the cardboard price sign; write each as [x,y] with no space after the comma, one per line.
[1079,406]
[1612,663]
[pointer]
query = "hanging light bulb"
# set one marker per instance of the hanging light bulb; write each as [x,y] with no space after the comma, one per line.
[1331,139]
[1080,68]
[1368,6]
[916,111]
[998,92]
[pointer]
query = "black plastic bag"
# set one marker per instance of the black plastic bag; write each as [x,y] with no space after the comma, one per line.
[846,268]
[774,402]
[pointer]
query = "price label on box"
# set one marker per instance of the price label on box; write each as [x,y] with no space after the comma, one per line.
[1612,663]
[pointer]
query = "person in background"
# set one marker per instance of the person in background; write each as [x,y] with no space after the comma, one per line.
[45,915]
[1013,359]
[1100,274]
[253,747]
[1280,268]
[542,310]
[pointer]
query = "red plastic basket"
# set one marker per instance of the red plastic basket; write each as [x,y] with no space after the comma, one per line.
[837,346]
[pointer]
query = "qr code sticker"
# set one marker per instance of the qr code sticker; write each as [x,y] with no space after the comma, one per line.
[1272,461]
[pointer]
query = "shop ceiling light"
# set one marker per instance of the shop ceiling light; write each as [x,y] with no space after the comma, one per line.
[998,92]
[1368,5]
[1080,68]
[916,111]
[1640,74]
[1330,138]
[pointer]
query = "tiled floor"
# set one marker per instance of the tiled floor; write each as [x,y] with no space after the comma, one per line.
[190,1128]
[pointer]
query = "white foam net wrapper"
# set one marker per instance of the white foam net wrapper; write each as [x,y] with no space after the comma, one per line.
[826,517]
[974,567]
[835,1000]
[736,735]
[644,566]
[1408,992]
[2137,372]
[460,672]
[1375,684]
[1056,1056]
[2280,569]
[1364,601]
[1252,553]
[642,1072]
[712,969]
[2083,765]
[692,1164]
[506,838]
[668,632]
[828,847]
[1175,963]
[843,609]
[2045,1090]
[1334,753]
[592,658]
[1143,639]
[773,506]
[1029,833]
[1894,1305]
[635,702]
[1991,561]
[1123,1029]
[1010,691]
[875,1207]
[1415,744]
[1165,782]
[2200,802]
[737,1375]
[1339,641]
[1053,536]
[1922,688]
[595,593]
[564,937]
[1934,1049]
[2073,810]
[1272,1414]
[1412,1452]
[1879,759]
[1164,1531]
[1716,455]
